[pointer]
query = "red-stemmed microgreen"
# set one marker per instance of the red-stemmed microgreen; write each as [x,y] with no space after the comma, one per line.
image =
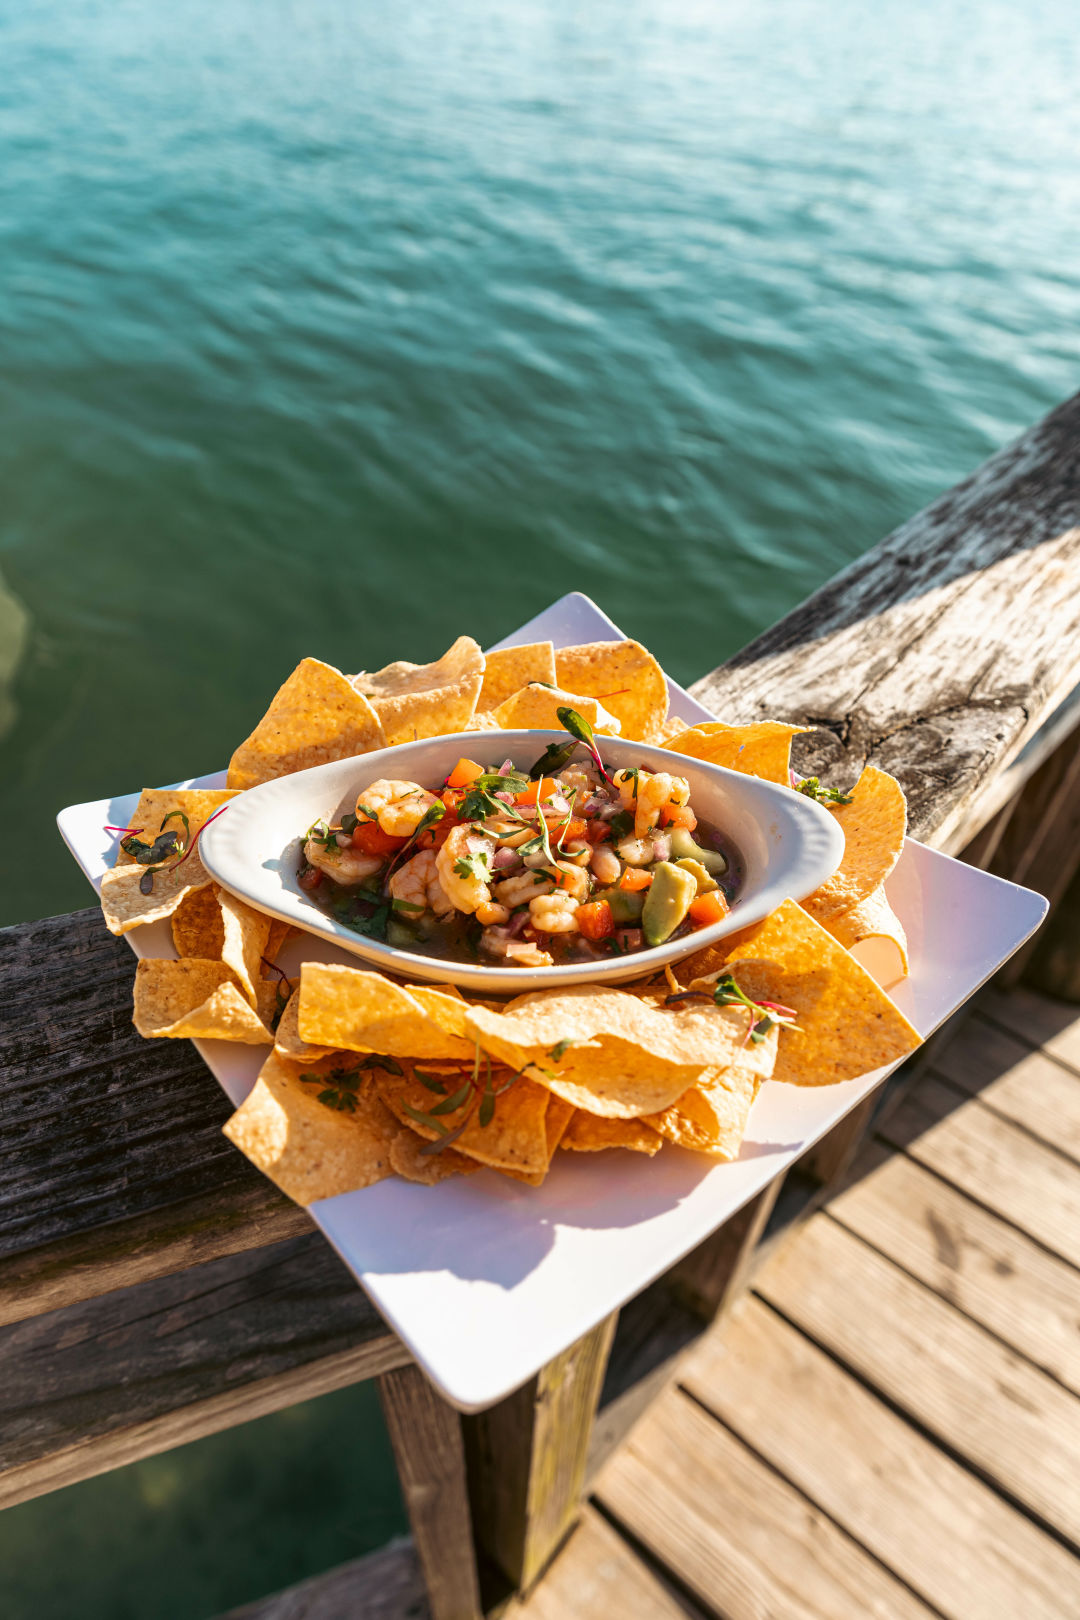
[580,728]
[764,1015]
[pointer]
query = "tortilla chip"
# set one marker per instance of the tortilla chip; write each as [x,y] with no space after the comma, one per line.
[619,1055]
[763,749]
[587,1133]
[873,824]
[514,1139]
[556,1119]
[246,933]
[875,934]
[198,804]
[534,707]
[670,728]
[712,1117]
[125,906]
[272,996]
[197,929]
[279,933]
[287,1041]
[426,700]
[624,676]
[408,1159]
[483,722]
[345,1007]
[315,717]
[511,668]
[309,1150]
[848,1024]
[193,1000]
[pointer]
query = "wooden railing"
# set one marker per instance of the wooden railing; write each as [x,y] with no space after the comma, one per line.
[154,1288]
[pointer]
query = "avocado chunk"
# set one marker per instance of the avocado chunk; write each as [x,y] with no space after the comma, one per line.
[667,901]
[626,905]
[683,848]
[705,882]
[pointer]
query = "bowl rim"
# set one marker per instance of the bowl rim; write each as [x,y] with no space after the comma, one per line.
[817,856]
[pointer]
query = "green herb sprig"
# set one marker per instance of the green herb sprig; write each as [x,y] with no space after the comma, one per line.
[813,789]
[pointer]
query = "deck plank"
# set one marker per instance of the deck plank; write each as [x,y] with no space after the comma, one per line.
[993,1161]
[963,1549]
[1018,1426]
[1053,1026]
[1028,1087]
[748,1545]
[597,1576]
[980,1264]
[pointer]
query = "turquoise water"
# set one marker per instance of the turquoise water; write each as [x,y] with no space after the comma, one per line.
[342,328]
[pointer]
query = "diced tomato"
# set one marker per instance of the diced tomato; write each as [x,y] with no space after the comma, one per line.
[595,920]
[370,837]
[310,879]
[635,878]
[464,772]
[544,789]
[678,815]
[597,831]
[708,908]
[575,828]
[629,939]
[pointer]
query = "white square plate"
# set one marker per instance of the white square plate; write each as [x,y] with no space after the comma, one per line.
[486,1279]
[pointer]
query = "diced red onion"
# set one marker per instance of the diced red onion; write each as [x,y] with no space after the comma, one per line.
[661,846]
[560,805]
[518,921]
[507,765]
[610,810]
[505,859]
[507,798]
[477,845]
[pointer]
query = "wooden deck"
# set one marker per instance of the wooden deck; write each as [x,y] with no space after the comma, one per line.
[888,1425]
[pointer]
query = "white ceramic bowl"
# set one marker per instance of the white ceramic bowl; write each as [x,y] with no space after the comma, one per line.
[788,843]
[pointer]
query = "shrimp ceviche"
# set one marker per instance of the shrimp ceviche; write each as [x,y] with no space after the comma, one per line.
[565,863]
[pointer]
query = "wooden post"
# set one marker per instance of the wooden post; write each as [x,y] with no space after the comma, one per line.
[527,1459]
[711,1276]
[426,1435]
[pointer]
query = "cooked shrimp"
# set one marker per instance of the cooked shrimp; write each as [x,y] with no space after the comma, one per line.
[571,879]
[491,914]
[645,795]
[399,806]
[522,887]
[464,863]
[554,913]
[606,865]
[341,862]
[417,884]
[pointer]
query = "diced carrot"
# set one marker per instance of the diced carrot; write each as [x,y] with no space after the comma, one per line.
[542,789]
[709,908]
[595,920]
[635,878]
[370,837]
[678,815]
[464,772]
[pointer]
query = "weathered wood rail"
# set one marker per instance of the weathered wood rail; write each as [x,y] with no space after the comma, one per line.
[154,1288]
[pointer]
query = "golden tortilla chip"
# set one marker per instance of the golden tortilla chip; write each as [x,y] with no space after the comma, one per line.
[197,929]
[483,722]
[246,933]
[287,1040]
[556,1119]
[515,1137]
[587,1133]
[197,804]
[670,728]
[124,904]
[873,824]
[712,1117]
[762,750]
[193,1000]
[272,996]
[875,934]
[511,668]
[609,1052]
[534,708]
[847,1024]
[345,1007]
[624,676]
[306,1148]
[315,716]
[409,1160]
[426,700]
[279,933]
